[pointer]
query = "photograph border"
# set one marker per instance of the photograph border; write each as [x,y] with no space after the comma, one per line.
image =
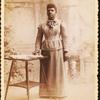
[2,50]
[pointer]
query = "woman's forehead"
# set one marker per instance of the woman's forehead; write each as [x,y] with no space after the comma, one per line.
[51,8]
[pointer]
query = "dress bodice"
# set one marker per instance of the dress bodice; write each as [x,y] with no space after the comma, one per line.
[54,37]
[51,33]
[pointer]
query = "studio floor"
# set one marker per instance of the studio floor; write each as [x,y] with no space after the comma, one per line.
[76,91]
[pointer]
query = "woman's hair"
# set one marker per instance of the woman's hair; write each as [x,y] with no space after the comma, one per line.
[50,5]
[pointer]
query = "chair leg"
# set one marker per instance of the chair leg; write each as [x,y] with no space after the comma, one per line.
[27,79]
[9,80]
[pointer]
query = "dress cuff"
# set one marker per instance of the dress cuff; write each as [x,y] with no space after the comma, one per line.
[66,50]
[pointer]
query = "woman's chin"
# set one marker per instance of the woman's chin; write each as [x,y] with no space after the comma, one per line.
[51,18]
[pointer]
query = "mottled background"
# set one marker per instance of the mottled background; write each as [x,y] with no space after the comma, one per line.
[21,20]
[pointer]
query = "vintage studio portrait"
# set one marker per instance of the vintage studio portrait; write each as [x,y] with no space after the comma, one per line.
[50,50]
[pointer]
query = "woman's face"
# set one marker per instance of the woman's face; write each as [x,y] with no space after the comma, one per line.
[51,12]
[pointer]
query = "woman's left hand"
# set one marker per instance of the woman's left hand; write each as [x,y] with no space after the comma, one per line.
[66,56]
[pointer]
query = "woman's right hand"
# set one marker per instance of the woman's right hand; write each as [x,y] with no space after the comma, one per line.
[37,52]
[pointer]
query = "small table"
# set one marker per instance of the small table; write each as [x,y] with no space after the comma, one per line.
[26,84]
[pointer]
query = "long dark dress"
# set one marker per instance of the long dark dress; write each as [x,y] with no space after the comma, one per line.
[52,69]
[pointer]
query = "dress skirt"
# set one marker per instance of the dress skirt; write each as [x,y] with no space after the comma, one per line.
[52,74]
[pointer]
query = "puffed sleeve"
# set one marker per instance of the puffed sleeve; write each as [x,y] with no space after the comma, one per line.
[64,35]
[39,37]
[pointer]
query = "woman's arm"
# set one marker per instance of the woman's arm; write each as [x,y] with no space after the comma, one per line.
[39,37]
[64,36]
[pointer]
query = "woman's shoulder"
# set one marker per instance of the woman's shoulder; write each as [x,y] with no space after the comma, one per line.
[62,23]
[42,25]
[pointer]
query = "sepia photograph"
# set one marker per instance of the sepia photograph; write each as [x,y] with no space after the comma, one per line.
[49,50]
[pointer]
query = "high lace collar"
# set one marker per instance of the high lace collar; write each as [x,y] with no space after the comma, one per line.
[52,23]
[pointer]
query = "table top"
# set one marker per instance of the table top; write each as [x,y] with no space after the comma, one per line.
[25,57]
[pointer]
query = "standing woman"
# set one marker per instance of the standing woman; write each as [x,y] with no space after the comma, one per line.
[54,46]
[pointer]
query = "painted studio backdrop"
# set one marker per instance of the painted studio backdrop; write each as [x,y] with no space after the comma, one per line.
[22,18]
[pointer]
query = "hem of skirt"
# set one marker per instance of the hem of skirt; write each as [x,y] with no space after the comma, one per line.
[51,49]
[51,96]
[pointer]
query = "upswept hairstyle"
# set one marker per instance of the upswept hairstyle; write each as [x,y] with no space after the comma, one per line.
[51,5]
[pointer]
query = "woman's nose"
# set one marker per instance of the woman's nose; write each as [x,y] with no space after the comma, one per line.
[50,11]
